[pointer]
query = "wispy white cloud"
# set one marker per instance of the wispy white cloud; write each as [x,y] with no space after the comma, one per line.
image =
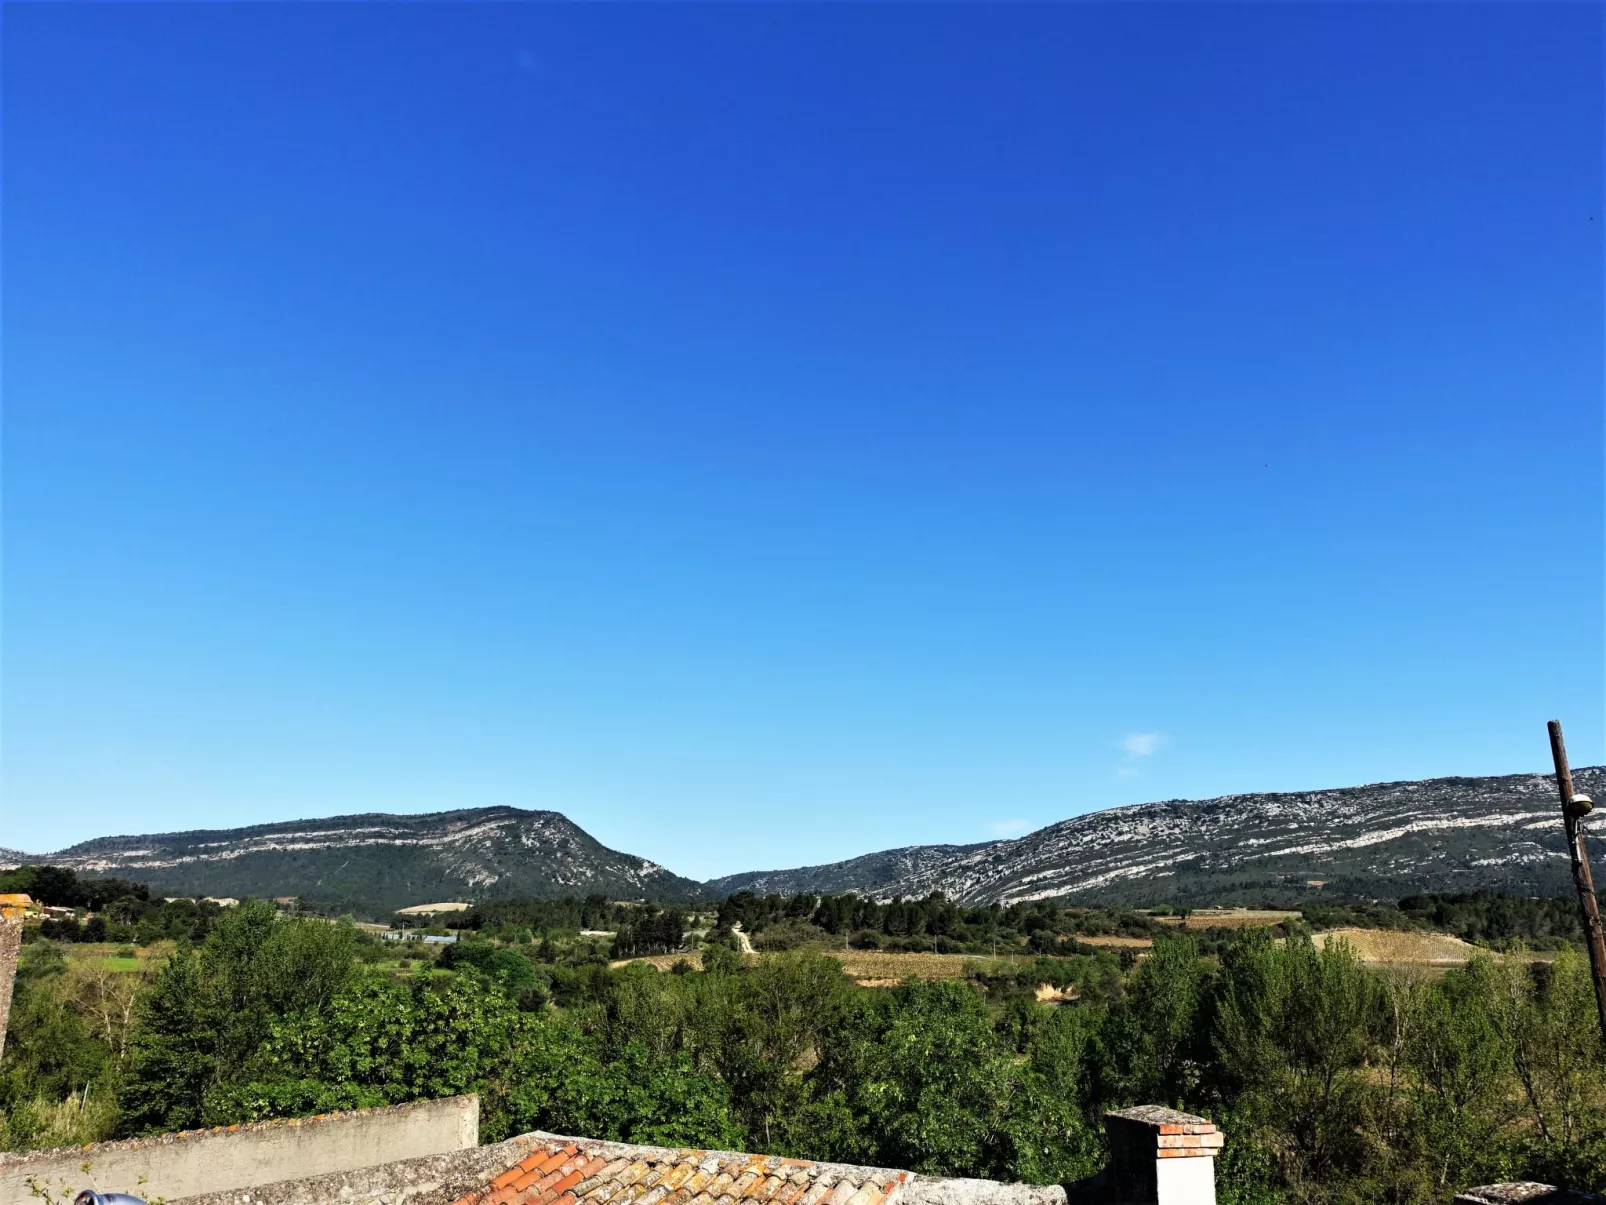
[1009,828]
[1137,746]
[1144,744]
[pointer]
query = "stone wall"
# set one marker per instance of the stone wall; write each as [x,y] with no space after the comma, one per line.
[194,1163]
[10,943]
[433,1180]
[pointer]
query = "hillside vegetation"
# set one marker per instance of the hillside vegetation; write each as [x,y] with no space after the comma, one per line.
[1334,1083]
[371,864]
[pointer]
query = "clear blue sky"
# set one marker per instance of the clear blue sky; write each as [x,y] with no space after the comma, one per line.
[772,433]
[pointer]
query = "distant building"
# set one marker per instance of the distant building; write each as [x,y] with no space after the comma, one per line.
[433,939]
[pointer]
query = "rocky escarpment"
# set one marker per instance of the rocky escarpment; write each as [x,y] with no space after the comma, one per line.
[377,862]
[1381,840]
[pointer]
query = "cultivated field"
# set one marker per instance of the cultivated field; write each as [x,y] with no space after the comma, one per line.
[871,968]
[1229,918]
[1114,942]
[1387,946]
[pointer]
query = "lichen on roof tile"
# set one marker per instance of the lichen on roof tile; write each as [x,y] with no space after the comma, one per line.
[557,1170]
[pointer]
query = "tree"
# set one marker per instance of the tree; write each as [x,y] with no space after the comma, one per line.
[208,1011]
[172,1053]
[1046,1126]
[1292,1040]
[559,1080]
[926,1080]
[1157,1039]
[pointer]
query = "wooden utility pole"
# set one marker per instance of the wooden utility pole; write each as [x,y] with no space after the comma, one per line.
[1573,809]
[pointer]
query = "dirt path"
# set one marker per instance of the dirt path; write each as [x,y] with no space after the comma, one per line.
[742,939]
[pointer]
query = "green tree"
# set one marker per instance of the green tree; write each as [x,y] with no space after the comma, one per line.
[931,1091]
[1293,1042]
[1544,1014]
[199,1027]
[172,1054]
[1046,1129]
[378,1042]
[1460,1078]
[1157,1039]
[559,1080]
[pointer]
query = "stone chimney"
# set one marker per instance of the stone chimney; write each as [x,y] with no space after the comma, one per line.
[1160,1157]
[11,912]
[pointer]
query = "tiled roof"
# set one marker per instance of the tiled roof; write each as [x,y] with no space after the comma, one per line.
[569,1171]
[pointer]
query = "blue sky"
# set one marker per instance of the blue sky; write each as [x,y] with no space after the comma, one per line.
[771,433]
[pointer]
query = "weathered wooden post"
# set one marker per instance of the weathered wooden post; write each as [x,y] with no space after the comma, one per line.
[1574,808]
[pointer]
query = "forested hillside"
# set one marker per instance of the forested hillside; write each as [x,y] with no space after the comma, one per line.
[372,864]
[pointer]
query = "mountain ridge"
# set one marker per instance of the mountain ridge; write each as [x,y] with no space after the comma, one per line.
[1443,834]
[378,861]
[1375,840]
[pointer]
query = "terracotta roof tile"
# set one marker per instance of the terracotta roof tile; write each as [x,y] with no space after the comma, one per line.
[573,1171]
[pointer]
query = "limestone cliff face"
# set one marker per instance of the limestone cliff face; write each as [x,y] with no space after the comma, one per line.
[1386,839]
[378,862]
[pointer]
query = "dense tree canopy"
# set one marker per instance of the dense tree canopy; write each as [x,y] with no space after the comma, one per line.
[1335,1082]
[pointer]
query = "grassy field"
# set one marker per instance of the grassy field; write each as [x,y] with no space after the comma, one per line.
[110,957]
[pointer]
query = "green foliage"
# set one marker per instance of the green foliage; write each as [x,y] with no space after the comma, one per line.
[1335,1083]
[1047,1133]
[63,888]
[1493,918]
[563,1079]
[377,1042]
[57,1082]
[1157,1039]
[1292,1039]
[511,969]
[208,1011]
[172,1056]
[653,931]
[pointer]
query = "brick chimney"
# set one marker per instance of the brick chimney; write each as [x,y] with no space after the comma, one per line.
[1160,1157]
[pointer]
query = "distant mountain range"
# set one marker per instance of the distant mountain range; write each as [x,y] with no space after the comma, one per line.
[1378,841]
[377,862]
